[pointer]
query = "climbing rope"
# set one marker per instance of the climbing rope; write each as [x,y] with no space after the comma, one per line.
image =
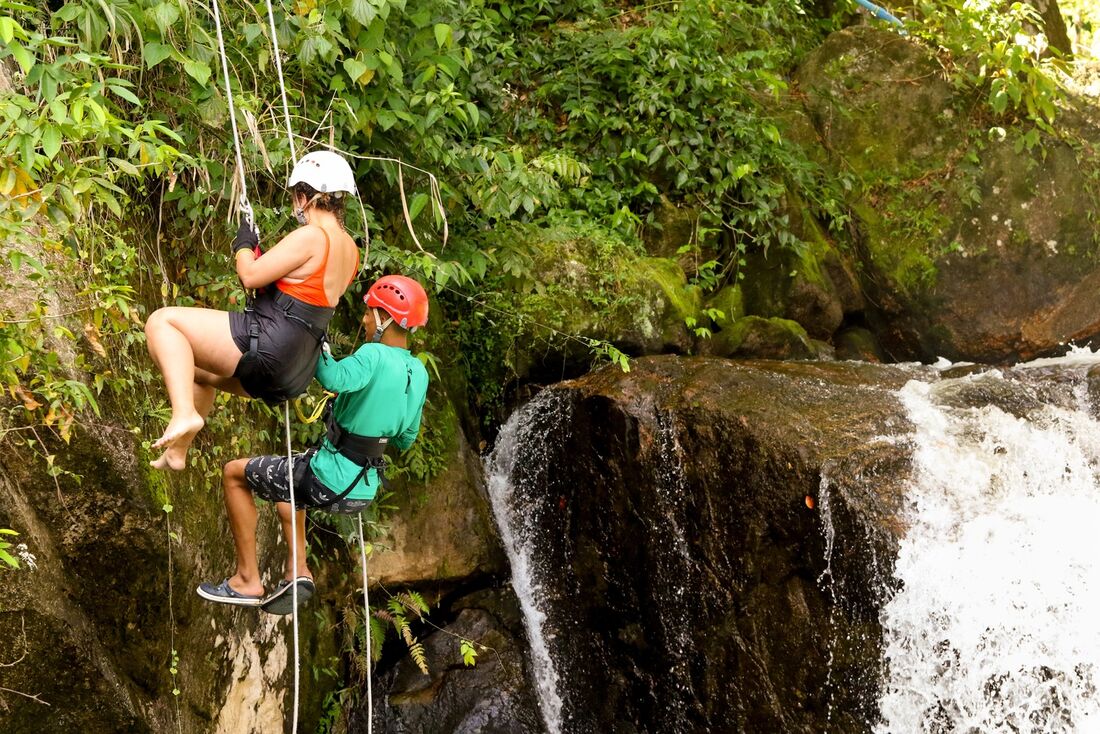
[244,206]
[282,84]
[366,623]
[293,556]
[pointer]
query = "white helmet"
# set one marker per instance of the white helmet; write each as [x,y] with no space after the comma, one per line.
[325,171]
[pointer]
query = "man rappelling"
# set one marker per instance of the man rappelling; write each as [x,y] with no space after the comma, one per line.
[381,391]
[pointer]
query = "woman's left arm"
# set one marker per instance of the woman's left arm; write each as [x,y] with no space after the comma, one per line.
[292,252]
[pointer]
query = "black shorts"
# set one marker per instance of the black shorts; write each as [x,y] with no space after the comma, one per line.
[266,477]
[287,346]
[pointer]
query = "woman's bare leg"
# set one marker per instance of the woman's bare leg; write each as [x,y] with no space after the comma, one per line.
[181,340]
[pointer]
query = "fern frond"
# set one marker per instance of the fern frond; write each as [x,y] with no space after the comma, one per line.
[416,650]
[377,637]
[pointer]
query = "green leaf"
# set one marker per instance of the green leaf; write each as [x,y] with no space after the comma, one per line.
[7,531]
[154,53]
[361,10]
[51,141]
[386,119]
[164,15]
[198,71]
[8,559]
[417,204]
[22,56]
[126,166]
[443,34]
[7,29]
[358,71]
[125,93]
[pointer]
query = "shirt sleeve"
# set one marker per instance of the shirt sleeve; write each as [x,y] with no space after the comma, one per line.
[348,374]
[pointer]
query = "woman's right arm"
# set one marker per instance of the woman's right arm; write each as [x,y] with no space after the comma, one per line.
[292,252]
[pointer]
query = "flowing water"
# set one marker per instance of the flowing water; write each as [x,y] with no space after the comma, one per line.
[996,627]
[525,439]
[995,622]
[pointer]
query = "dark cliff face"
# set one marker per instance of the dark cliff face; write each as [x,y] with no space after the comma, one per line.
[694,587]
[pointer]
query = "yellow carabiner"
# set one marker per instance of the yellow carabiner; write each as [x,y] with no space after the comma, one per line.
[316,412]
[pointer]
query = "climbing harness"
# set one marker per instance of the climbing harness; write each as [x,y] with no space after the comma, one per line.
[366,452]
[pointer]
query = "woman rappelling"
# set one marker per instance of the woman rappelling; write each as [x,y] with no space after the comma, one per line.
[270,350]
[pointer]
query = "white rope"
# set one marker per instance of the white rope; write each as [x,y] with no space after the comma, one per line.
[282,85]
[245,207]
[366,623]
[293,555]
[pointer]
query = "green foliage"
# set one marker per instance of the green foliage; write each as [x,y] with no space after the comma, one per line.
[5,556]
[994,52]
[400,610]
[468,651]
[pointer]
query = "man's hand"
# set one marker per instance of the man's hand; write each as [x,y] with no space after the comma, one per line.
[246,238]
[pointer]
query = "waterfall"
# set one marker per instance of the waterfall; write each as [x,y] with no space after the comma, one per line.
[528,431]
[995,626]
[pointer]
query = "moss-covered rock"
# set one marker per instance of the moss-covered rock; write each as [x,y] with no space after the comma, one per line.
[755,336]
[858,344]
[591,285]
[813,285]
[730,301]
[971,247]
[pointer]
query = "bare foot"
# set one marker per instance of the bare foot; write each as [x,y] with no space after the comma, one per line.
[176,440]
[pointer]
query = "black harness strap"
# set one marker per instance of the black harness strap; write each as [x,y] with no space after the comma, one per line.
[364,451]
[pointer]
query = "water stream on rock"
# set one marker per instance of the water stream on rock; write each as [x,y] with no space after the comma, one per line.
[517,517]
[995,626]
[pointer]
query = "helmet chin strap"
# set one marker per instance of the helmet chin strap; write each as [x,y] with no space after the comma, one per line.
[300,213]
[380,326]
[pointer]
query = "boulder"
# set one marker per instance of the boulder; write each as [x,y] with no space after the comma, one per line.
[494,696]
[593,285]
[441,532]
[971,248]
[761,338]
[680,523]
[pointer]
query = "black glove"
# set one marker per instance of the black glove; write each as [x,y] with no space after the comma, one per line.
[246,238]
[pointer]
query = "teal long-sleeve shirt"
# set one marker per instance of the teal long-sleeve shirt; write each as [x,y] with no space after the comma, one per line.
[380,392]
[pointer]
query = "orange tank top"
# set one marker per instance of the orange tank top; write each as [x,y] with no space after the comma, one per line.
[312,289]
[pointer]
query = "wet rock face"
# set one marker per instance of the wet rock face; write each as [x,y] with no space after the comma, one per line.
[92,628]
[698,588]
[492,697]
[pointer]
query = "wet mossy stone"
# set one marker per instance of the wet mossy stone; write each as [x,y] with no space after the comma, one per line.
[858,344]
[730,301]
[763,338]
[592,284]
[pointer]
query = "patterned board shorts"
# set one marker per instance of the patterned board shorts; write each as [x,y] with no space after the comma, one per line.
[266,477]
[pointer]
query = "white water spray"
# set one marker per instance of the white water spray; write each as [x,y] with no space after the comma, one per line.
[997,625]
[518,528]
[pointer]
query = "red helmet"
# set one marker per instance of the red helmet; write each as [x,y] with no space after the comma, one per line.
[402,298]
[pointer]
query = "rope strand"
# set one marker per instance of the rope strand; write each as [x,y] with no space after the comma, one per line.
[245,207]
[366,624]
[293,556]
